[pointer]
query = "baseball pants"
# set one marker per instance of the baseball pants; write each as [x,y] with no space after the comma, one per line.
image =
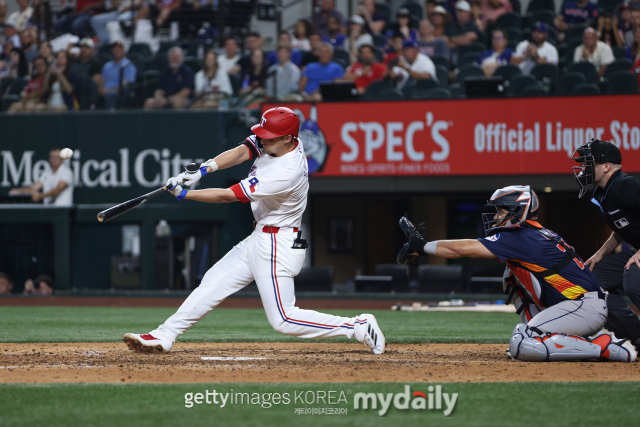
[270,260]
[583,317]
[613,277]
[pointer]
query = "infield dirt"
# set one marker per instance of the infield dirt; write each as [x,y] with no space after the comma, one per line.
[289,362]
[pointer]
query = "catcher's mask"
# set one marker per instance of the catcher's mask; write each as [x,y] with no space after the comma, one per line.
[520,202]
[587,156]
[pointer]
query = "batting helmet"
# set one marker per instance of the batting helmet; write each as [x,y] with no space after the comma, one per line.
[275,122]
[521,204]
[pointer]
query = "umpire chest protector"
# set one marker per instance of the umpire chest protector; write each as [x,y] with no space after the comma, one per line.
[619,205]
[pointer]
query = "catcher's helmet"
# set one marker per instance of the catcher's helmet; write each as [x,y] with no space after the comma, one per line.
[587,156]
[275,122]
[520,202]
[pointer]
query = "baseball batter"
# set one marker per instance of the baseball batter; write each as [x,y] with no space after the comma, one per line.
[273,254]
[557,298]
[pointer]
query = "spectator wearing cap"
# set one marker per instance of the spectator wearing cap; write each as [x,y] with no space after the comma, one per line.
[575,13]
[284,39]
[110,83]
[29,48]
[323,71]
[335,36]
[6,285]
[490,60]
[20,18]
[356,37]
[491,10]
[374,21]
[594,51]
[536,51]
[412,65]
[283,77]
[11,34]
[429,44]
[365,71]
[86,65]
[635,21]
[403,26]
[464,31]
[175,85]
[321,17]
[439,19]
[42,285]
[76,23]
[228,61]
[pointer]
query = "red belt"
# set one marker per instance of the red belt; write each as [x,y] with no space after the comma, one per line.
[270,229]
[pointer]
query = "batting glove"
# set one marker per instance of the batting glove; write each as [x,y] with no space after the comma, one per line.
[174,187]
[195,171]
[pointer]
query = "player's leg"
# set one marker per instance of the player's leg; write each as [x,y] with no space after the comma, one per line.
[275,263]
[582,317]
[612,277]
[226,277]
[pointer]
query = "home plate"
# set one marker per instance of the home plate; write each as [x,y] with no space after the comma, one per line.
[234,358]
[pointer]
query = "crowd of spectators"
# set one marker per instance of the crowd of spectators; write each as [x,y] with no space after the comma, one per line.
[403,49]
[41,285]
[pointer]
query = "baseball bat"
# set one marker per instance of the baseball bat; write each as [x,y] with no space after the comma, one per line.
[118,210]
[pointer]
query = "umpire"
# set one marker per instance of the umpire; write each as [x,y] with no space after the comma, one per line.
[617,196]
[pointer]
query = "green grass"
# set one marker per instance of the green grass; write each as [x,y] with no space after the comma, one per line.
[507,404]
[109,324]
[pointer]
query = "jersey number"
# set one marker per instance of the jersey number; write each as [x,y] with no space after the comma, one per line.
[252,184]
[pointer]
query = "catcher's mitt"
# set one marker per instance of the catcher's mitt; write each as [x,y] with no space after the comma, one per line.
[411,251]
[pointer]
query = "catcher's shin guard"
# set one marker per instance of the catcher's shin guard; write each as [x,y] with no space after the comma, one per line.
[614,350]
[531,345]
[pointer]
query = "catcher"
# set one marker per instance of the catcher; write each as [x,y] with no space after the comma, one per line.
[557,298]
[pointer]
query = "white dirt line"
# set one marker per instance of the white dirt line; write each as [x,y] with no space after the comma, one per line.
[233,358]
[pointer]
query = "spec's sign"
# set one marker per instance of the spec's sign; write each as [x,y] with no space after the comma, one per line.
[464,137]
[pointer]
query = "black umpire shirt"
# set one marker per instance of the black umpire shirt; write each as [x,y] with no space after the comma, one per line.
[619,204]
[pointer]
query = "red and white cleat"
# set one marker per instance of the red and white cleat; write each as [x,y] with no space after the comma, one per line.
[147,343]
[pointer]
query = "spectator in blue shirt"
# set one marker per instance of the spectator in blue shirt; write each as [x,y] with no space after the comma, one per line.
[575,13]
[320,72]
[334,33]
[490,60]
[284,40]
[110,80]
[175,85]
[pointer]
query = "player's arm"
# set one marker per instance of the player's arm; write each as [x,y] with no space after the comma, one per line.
[211,195]
[458,249]
[26,190]
[229,158]
[609,246]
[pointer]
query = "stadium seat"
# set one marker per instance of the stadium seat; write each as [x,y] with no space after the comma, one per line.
[342,54]
[426,84]
[622,82]
[535,5]
[419,94]
[441,60]
[546,74]
[442,278]
[105,48]
[534,90]
[518,83]
[103,58]
[609,5]
[391,93]
[469,70]
[193,48]
[619,52]
[399,274]
[443,75]
[378,53]
[476,47]
[7,100]
[141,48]
[438,93]
[164,48]
[568,81]
[134,56]
[149,83]
[572,44]
[513,34]
[87,93]
[5,82]
[457,90]
[376,87]
[467,58]
[586,68]
[314,279]
[516,6]
[618,65]
[236,83]
[507,71]
[415,9]
[340,61]
[384,9]
[574,33]
[379,40]
[542,15]
[510,19]
[17,85]
[586,89]
[194,63]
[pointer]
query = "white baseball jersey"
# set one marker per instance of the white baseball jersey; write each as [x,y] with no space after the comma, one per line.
[276,186]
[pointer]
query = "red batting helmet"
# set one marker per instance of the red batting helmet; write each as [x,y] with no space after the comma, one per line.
[275,122]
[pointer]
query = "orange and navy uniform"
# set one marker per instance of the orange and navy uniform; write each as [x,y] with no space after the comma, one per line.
[531,255]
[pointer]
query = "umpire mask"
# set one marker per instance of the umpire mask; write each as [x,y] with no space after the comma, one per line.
[584,173]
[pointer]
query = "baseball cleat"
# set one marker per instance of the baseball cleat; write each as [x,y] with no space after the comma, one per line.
[371,334]
[147,343]
[614,350]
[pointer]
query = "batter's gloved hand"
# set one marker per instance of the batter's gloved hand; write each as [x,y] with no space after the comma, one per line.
[174,187]
[414,248]
[194,171]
